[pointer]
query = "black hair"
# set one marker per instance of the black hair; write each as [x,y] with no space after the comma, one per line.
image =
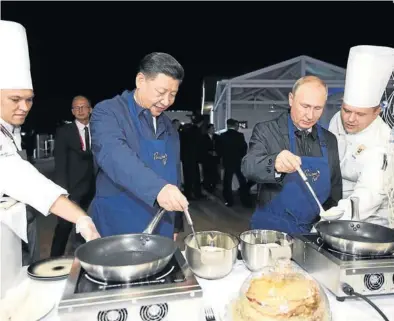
[232,123]
[161,63]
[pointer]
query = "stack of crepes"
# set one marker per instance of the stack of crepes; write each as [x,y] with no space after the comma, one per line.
[279,297]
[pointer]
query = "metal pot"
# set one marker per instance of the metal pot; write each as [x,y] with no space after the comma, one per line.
[259,248]
[211,265]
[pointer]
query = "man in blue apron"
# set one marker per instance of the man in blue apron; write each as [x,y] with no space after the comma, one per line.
[279,147]
[136,150]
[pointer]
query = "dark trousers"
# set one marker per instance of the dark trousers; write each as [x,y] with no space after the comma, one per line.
[63,230]
[211,173]
[191,177]
[229,172]
[31,250]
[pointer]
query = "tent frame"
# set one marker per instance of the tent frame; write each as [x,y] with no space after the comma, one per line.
[278,80]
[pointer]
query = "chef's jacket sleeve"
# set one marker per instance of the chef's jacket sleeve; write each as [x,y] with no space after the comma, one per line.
[258,165]
[117,160]
[24,183]
[369,187]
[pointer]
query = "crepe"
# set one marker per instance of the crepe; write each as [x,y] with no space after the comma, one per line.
[278,297]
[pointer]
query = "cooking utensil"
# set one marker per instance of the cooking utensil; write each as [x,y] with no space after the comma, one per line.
[211,265]
[190,222]
[209,254]
[356,237]
[127,257]
[209,315]
[259,248]
[332,214]
[305,179]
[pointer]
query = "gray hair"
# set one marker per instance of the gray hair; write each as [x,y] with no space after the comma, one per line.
[308,79]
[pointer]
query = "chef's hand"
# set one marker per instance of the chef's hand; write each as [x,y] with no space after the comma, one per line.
[86,227]
[175,236]
[287,162]
[171,199]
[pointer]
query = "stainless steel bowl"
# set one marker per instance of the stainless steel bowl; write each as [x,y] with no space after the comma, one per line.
[211,265]
[255,247]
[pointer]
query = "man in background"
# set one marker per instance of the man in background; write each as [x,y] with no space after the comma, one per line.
[191,151]
[210,159]
[74,169]
[232,148]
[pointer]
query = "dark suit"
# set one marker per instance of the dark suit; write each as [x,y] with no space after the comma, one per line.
[269,139]
[74,172]
[210,161]
[232,148]
[190,142]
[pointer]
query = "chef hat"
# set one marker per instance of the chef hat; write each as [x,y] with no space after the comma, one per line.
[368,71]
[14,57]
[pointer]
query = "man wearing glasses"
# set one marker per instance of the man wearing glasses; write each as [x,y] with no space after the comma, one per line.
[74,168]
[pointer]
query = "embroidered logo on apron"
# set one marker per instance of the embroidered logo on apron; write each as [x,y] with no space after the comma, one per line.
[314,175]
[163,158]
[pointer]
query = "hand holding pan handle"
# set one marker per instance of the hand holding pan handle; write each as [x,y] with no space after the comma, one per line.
[155,221]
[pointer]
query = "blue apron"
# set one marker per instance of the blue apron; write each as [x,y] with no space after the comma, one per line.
[125,213]
[294,209]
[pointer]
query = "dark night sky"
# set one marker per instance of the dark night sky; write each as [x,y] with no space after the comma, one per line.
[93,48]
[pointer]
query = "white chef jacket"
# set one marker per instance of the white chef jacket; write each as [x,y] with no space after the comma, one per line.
[24,184]
[361,159]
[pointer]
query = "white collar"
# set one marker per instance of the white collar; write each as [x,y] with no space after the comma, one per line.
[309,130]
[7,126]
[81,126]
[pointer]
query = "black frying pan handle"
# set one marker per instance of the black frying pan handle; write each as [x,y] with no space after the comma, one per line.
[155,221]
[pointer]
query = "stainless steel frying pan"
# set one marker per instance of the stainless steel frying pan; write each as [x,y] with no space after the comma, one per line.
[355,236]
[358,238]
[128,257]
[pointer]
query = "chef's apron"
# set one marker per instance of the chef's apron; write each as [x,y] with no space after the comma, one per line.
[294,209]
[124,213]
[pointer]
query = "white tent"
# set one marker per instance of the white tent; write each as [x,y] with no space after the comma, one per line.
[261,94]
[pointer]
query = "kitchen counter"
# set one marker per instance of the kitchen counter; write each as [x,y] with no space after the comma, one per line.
[217,294]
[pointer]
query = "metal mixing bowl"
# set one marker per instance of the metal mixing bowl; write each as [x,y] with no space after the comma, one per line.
[255,247]
[211,265]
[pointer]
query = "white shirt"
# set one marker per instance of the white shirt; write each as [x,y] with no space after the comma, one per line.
[361,158]
[81,130]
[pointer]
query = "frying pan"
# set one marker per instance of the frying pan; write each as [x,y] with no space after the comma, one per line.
[358,238]
[127,257]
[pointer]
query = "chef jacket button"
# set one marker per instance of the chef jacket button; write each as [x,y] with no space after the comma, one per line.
[268,170]
[270,161]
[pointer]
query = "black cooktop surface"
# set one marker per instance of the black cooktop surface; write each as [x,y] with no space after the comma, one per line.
[315,239]
[172,273]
